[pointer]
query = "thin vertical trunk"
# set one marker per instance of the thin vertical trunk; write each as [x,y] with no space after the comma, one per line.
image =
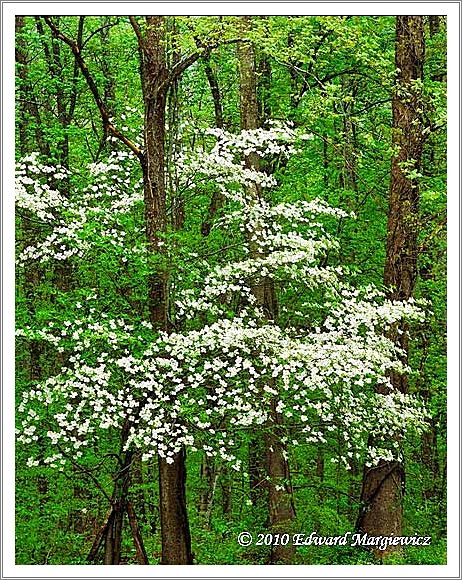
[206,475]
[176,197]
[139,546]
[350,145]
[325,163]
[434,23]
[113,536]
[215,92]
[226,481]
[217,197]
[269,470]
[320,468]
[280,493]
[109,538]
[383,485]
[264,88]
[106,145]
[28,112]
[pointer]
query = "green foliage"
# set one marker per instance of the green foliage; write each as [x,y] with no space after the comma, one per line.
[334,78]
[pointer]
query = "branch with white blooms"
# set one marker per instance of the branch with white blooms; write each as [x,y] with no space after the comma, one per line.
[205,387]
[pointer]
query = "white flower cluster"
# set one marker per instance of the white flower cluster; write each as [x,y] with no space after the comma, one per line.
[203,388]
[88,218]
[33,193]
[282,242]
[225,164]
[200,388]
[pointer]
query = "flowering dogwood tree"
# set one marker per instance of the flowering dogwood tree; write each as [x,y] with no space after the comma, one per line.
[325,369]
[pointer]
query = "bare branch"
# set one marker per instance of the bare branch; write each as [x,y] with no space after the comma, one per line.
[203,51]
[108,126]
[137,30]
[110,25]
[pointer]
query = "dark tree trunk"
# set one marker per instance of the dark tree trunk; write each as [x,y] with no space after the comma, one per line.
[110,535]
[215,91]
[226,482]
[155,88]
[176,540]
[109,85]
[434,22]
[264,89]
[209,476]
[113,543]
[28,112]
[269,470]
[139,546]
[280,493]
[217,197]
[350,145]
[383,485]
[320,464]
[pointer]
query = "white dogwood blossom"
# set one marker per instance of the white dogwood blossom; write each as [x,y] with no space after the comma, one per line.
[78,223]
[220,374]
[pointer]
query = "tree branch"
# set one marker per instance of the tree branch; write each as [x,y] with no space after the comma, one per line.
[110,25]
[137,30]
[109,127]
[75,75]
[203,51]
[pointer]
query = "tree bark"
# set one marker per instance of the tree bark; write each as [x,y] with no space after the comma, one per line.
[176,539]
[217,197]
[137,539]
[111,533]
[215,92]
[270,478]
[383,485]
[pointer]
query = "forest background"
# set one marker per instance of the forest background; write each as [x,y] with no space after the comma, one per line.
[334,79]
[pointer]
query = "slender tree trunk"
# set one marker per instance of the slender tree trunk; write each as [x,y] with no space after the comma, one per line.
[267,455]
[113,540]
[217,197]
[350,145]
[383,485]
[215,91]
[28,110]
[109,538]
[264,88]
[280,492]
[226,481]
[434,23]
